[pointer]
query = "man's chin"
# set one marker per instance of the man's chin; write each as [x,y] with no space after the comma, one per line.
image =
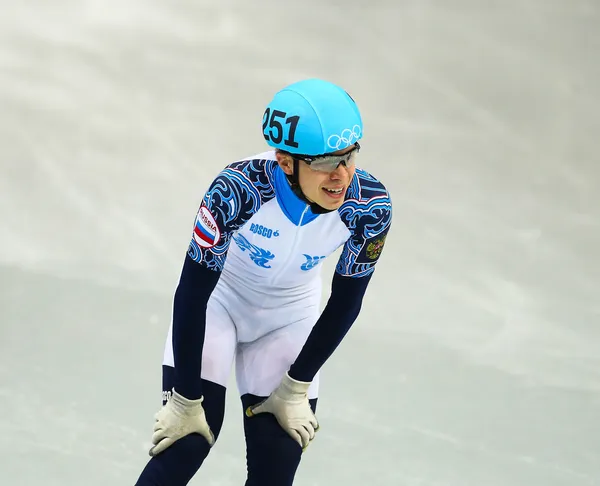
[331,205]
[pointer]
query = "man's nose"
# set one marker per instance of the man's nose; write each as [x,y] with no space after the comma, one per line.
[339,172]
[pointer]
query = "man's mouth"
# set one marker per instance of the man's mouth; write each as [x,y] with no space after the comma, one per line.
[334,192]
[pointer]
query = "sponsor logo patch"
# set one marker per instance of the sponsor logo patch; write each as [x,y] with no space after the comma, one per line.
[206,231]
[259,229]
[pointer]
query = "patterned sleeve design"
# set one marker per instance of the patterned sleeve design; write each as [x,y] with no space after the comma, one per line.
[231,200]
[367,212]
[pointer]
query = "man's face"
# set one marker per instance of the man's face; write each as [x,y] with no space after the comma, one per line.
[327,189]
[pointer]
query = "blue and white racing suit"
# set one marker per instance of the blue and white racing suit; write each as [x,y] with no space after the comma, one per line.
[253,270]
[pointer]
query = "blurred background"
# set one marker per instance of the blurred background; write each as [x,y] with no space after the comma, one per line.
[476,359]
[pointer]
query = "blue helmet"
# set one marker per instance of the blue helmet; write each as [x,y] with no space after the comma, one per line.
[312,117]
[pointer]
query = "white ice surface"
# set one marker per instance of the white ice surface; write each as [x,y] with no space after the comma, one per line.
[476,360]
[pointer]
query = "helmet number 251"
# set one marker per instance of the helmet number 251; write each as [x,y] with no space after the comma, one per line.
[276,132]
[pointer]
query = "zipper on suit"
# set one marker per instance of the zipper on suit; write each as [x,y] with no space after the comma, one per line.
[294,245]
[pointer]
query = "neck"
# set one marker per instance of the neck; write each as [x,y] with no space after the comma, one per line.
[295,185]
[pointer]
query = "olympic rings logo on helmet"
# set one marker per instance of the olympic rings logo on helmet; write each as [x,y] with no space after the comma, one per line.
[347,137]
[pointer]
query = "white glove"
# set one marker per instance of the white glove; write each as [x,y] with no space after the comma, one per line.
[289,404]
[178,418]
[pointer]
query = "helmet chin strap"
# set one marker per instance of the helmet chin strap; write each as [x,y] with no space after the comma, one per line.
[295,184]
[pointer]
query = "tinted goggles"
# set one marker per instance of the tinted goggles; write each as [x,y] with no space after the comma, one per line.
[328,162]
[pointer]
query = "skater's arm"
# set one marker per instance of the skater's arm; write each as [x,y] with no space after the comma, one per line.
[229,202]
[189,323]
[369,224]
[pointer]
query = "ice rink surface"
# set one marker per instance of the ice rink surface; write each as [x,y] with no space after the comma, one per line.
[476,359]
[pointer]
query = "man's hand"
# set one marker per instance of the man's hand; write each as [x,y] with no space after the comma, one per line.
[289,404]
[178,418]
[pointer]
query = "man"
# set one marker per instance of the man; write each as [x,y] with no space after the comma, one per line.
[250,288]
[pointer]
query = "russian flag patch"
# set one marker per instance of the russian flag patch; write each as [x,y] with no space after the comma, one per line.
[206,231]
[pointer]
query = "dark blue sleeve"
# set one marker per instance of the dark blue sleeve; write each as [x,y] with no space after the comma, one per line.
[339,314]
[189,324]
